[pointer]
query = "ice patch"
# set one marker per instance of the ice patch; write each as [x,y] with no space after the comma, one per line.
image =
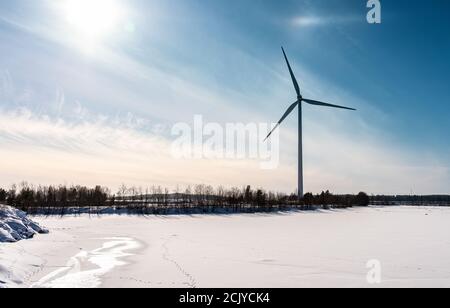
[85,269]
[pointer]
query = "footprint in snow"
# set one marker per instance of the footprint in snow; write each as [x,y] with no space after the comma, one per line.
[268,260]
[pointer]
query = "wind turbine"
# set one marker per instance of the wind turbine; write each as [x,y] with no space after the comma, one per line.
[298,103]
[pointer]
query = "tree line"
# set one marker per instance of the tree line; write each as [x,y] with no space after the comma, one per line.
[436,200]
[159,200]
[25,196]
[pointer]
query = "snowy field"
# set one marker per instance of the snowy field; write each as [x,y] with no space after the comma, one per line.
[310,249]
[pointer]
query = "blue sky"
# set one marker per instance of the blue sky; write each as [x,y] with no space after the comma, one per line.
[81,109]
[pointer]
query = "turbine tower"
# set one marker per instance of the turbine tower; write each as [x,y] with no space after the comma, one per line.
[298,103]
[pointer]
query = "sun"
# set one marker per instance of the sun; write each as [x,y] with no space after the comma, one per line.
[93,19]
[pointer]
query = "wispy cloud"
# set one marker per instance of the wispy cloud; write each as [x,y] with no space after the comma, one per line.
[316,20]
[110,152]
[43,149]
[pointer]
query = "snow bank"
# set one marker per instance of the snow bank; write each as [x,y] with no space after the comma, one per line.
[15,226]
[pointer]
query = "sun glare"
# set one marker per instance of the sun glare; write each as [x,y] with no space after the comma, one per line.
[93,18]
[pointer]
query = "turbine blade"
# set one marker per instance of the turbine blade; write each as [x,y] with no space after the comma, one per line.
[287,113]
[317,103]
[294,80]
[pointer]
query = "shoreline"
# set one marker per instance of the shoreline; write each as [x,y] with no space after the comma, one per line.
[207,210]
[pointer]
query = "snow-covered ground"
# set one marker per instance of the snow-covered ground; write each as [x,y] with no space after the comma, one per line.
[332,248]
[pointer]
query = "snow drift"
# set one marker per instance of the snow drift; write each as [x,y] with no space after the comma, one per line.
[15,226]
